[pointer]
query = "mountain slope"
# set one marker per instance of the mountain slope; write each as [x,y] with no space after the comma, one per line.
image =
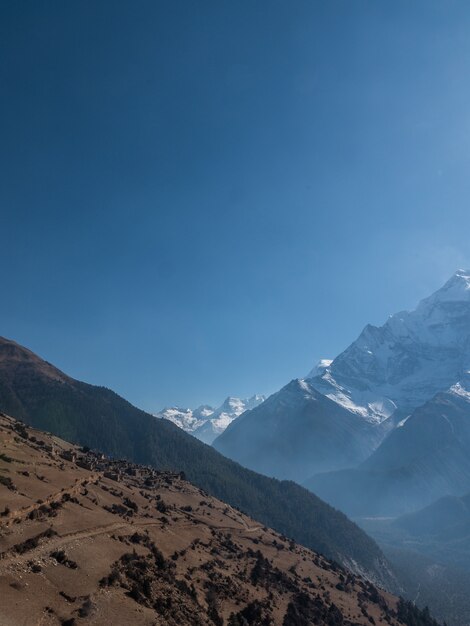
[441,531]
[85,539]
[443,517]
[297,432]
[44,397]
[443,588]
[426,458]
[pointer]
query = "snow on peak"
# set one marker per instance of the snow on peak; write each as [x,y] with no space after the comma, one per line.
[456,289]
[406,361]
[462,387]
[458,286]
[233,405]
[187,419]
[303,384]
[459,390]
[402,422]
[205,422]
[320,367]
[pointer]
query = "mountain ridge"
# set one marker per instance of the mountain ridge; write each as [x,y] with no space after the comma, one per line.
[265,439]
[206,422]
[425,458]
[404,362]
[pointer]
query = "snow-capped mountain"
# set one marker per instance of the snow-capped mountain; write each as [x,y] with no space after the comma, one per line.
[415,368]
[187,419]
[298,432]
[378,381]
[205,422]
[403,363]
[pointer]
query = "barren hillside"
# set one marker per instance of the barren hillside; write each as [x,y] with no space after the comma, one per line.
[88,540]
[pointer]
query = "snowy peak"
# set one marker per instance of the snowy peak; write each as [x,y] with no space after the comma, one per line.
[203,412]
[232,405]
[187,419]
[461,390]
[320,368]
[456,289]
[462,387]
[205,422]
[403,363]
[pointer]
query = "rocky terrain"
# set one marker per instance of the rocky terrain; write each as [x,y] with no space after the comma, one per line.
[85,539]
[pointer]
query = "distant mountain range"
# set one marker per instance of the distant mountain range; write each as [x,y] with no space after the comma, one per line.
[382,429]
[206,422]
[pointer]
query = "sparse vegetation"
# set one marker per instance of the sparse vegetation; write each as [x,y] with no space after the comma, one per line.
[61,557]
[86,609]
[193,581]
[33,542]
[7,482]
[410,615]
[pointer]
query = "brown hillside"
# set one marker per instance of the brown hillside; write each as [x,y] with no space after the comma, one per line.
[16,360]
[87,540]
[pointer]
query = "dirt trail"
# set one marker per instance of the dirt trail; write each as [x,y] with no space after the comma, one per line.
[11,557]
[238,519]
[22,514]
[241,520]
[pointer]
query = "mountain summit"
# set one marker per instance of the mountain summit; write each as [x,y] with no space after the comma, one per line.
[296,433]
[403,363]
[205,422]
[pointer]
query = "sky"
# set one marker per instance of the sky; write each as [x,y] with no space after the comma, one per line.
[203,198]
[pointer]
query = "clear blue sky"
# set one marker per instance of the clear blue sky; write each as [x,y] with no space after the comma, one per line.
[201,198]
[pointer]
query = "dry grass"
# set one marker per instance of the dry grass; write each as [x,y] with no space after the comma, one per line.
[79,548]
